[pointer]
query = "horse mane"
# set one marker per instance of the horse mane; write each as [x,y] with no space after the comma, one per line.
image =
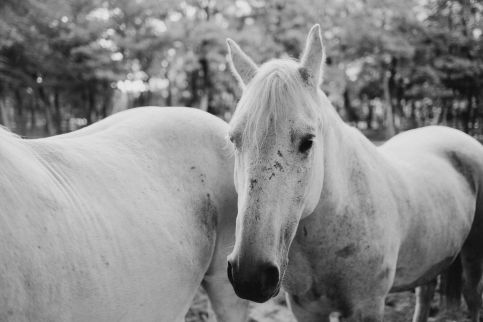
[277,88]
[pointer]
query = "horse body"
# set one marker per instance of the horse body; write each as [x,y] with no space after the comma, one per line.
[400,216]
[117,223]
[441,174]
[336,221]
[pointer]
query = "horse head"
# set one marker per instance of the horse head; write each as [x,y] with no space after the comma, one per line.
[277,131]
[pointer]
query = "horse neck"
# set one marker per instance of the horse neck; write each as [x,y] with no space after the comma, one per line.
[348,156]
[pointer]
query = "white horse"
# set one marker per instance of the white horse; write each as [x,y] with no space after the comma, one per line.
[120,221]
[336,221]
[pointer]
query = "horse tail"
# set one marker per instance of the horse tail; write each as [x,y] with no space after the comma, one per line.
[452,285]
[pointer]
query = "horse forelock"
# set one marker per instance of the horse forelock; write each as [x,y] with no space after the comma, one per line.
[277,89]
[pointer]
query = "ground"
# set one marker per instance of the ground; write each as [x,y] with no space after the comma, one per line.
[399,308]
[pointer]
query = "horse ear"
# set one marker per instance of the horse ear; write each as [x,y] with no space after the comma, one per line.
[313,57]
[242,67]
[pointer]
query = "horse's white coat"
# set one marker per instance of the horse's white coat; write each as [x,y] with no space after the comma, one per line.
[120,221]
[347,222]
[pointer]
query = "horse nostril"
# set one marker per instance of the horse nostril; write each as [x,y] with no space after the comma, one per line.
[229,271]
[270,276]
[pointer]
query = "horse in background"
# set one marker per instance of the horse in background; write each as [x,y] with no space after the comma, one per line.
[450,287]
[119,221]
[335,221]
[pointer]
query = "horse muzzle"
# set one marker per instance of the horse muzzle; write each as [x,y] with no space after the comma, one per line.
[258,284]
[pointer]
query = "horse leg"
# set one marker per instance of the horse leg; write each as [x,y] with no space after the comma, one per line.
[315,311]
[227,306]
[369,310]
[424,296]
[451,282]
[451,288]
[472,261]
[472,272]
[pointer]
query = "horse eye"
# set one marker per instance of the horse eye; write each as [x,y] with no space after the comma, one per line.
[234,139]
[306,144]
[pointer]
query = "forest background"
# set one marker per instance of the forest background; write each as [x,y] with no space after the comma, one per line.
[392,65]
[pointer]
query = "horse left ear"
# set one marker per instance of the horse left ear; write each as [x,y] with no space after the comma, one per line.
[242,67]
[313,57]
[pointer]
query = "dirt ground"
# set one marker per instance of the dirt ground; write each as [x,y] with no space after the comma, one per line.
[399,308]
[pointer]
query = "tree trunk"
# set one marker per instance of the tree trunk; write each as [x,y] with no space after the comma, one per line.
[106,101]
[207,96]
[169,97]
[4,119]
[399,101]
[204,105]
[193,76]
[351,114]
[370,113]
[57,117]
[474,114]
[390,130]
[466,117]
[90,104]
[49,127]
[19,113]
[33,116]
[443,119]
[412,122]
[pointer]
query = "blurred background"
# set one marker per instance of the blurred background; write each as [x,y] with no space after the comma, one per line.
[392,65]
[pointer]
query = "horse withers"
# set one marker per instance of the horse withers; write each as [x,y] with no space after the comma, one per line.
[119,221]
[335,221]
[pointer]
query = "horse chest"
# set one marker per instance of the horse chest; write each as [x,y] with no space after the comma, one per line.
[298,275]
[327,282]
[327,260]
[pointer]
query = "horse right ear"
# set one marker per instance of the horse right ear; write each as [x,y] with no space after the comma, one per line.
[242,67]
[313,57]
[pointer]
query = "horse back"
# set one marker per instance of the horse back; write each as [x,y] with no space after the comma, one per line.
[440,144]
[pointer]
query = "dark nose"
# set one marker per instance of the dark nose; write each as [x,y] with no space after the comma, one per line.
[258,284]
[269,277]
[229,271]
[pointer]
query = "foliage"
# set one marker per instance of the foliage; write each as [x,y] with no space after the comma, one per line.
[391,64]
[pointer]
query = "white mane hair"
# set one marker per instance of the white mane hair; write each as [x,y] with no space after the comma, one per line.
[277,87]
